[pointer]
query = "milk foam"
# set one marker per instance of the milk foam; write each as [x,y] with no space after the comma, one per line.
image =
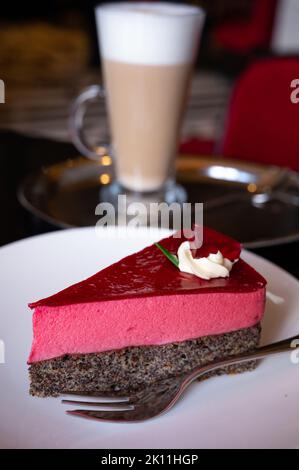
[149,34]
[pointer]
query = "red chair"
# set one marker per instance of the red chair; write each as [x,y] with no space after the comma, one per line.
[196,145]
[246,35]
[262,122]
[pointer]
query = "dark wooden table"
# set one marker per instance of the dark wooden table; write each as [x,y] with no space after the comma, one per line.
[21,155]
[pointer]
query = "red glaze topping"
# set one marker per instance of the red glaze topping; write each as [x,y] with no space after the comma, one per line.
[149,273]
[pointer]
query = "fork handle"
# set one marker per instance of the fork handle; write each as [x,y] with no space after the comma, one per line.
[285,345]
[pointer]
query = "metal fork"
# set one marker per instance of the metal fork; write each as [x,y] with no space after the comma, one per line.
[149,403]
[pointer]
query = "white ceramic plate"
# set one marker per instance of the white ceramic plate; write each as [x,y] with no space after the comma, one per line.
[257,409]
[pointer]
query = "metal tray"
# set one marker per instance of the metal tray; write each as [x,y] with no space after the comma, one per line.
[256,204]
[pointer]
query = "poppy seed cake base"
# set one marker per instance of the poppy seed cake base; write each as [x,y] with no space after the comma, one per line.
[134,368]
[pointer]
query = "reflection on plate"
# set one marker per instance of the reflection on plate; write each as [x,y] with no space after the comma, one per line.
[255,204]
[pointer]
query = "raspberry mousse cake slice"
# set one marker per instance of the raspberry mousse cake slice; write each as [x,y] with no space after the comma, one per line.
[145,318]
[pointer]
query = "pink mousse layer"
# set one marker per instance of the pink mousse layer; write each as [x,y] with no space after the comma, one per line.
[91,327]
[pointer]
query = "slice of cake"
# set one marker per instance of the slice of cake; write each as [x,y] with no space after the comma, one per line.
[144,319]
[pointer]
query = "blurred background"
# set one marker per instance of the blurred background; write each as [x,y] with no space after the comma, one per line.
[48,51]
[239,107]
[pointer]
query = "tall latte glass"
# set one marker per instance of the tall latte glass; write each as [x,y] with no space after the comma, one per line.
[147,52]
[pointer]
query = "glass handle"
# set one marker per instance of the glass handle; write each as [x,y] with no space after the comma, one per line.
[77,113]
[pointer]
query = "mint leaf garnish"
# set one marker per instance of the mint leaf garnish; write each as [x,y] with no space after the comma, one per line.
[172,258]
